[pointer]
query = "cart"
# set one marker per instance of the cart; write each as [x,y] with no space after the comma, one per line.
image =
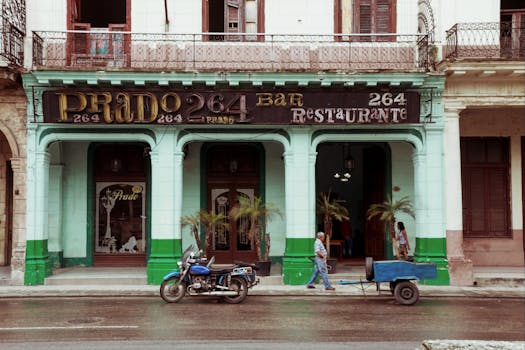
[399,274]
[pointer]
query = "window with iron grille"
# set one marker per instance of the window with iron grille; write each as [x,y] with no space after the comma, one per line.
[485,186]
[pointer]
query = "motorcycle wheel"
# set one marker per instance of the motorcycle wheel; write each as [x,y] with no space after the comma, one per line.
[172,290]
[239,285]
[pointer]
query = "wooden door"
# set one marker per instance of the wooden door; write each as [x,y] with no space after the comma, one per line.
[232,172]
[374,192]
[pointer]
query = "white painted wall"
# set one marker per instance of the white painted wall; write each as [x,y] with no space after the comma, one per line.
[185,16]
[403,177]
[451,12]
[46,15]
[407,16]
[299,16]
[75,201]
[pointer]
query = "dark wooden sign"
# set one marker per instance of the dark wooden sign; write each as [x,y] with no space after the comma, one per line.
[231,107]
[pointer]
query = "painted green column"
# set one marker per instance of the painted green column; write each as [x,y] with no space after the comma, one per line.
[433,250]
[430,224]
[163,258]
[166,242]
[300,209]
[38,264]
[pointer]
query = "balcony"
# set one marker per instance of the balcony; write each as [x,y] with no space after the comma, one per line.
[127,51]
[485,41]
[11,53]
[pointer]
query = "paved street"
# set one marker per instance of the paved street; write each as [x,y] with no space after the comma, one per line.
[338,320]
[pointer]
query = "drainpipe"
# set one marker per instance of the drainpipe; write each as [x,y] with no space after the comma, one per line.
[167,21]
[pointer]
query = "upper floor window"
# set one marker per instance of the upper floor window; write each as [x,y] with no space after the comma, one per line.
[365,16]
[99,14]
[512,32]
[232,17]
[91,44]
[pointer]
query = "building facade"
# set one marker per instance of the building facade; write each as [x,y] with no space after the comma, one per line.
[13,117]
[484,101]
[141,113]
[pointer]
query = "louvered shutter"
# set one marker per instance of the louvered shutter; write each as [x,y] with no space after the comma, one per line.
[374,16]
[234,18]
[81,41]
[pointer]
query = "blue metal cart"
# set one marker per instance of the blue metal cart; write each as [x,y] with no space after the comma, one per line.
[399,274]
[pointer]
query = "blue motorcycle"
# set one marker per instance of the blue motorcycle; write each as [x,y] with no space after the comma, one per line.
[198,276]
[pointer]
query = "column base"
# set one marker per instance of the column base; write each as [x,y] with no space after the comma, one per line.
[37,269]
[461,271]
[37,265]
[443,278]
[165,253]
[297,271]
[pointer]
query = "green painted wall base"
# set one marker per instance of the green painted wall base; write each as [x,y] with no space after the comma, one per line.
[297,268]
[165,253]
[433,250]
[38,264]
[56,259]
[297,271]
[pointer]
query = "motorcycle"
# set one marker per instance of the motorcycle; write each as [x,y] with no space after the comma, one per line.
[198,277]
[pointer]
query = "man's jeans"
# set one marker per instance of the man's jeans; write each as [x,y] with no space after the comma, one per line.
[320,267]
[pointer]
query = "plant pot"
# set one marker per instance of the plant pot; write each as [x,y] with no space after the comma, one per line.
[263,268]
[332,265]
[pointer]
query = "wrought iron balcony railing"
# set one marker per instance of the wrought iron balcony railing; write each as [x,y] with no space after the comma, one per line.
[485,41]
[111,50]
[11,43]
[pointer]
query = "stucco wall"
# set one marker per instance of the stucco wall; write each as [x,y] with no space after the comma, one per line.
[13,147]
[501,122]
[74,206]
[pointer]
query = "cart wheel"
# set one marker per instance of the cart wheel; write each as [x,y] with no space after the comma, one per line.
[369,268]
[406,293]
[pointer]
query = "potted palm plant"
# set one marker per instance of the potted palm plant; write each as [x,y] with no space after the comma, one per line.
[330,209]
[210,221]
[387,211]
[258,213]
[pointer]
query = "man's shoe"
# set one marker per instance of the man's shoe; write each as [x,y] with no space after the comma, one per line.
[310,286]
[330,288]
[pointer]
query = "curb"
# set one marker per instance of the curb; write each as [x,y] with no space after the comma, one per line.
[259,290]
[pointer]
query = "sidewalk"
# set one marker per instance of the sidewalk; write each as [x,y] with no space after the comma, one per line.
[491,282]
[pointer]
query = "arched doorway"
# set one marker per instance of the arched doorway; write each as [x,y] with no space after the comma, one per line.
[120,205]
[368,183]
[232,171]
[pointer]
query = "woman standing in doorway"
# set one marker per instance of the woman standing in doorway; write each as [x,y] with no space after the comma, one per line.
[402,241]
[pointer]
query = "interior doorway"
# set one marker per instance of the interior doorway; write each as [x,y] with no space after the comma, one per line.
[369,178]
[8,214]
[232,171]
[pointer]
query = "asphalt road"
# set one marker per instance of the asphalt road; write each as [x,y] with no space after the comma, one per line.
[333,322]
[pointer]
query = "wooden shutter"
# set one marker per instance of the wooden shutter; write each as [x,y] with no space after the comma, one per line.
[485,186]
[234,18]
[81,41]
[374,16]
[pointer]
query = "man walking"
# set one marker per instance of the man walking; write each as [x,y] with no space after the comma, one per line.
[320,263]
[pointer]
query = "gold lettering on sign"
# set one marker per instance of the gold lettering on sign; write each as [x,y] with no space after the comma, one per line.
[265,99]
[146,102]
[121,196]
[63,107]
[122,109]
[95,102]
